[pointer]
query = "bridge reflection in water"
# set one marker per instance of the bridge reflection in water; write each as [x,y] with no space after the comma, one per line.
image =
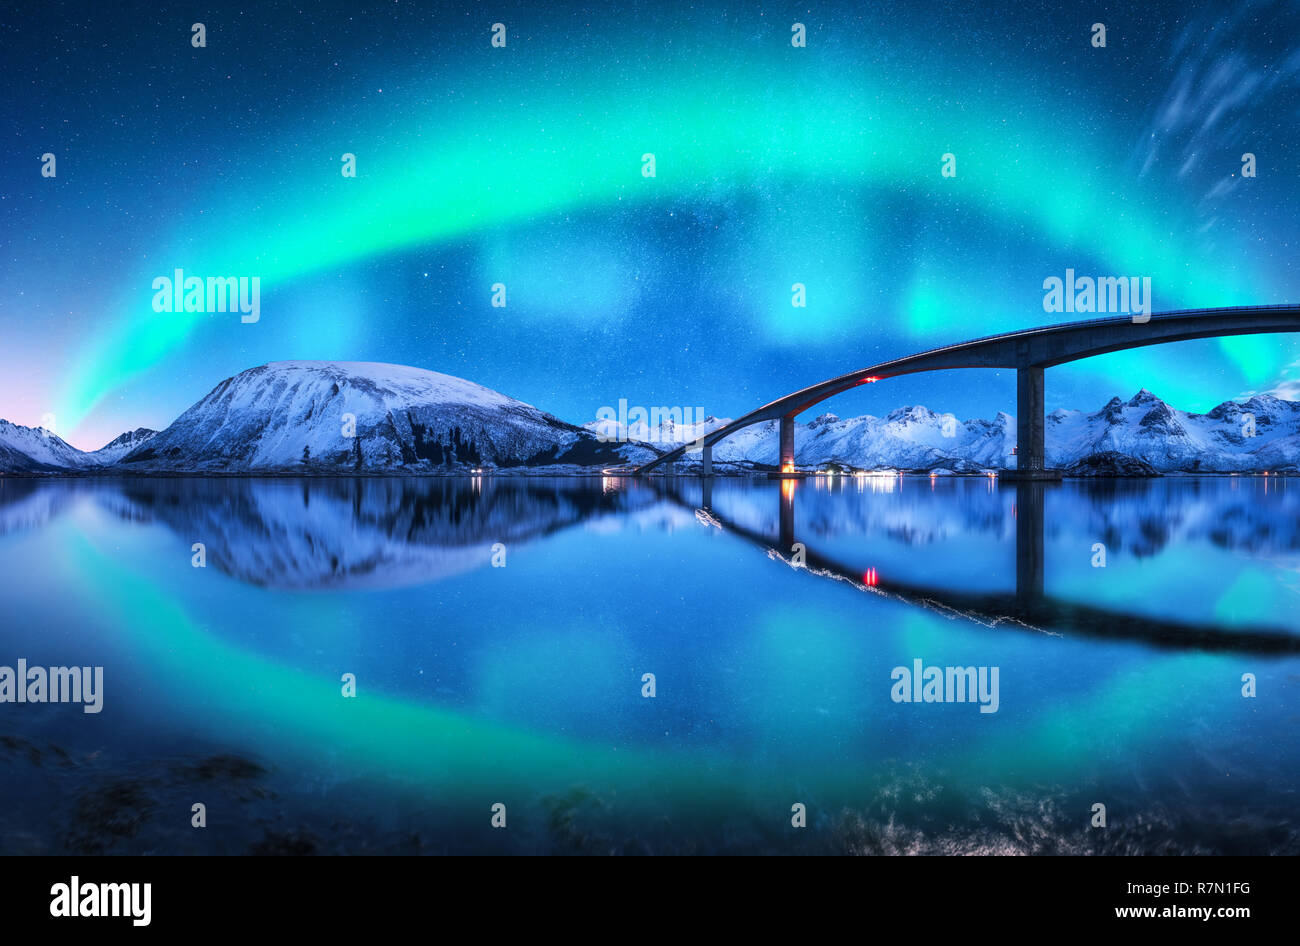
[1028,608]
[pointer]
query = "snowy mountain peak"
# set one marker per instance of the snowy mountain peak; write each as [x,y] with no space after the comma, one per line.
[120,446]
[916,414]
[1269,404]
[1143,397]
[1111,413]
[129,439]
[35,449]
[398,383]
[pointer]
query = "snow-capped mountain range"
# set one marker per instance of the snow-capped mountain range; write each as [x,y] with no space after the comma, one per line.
[37,450]
[1262,433]
[668,434]
[910,438]
[334,417]
[321,417]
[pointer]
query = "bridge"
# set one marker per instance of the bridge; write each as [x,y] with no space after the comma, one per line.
[1029,352]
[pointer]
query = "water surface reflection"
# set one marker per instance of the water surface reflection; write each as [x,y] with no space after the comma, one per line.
[523,683]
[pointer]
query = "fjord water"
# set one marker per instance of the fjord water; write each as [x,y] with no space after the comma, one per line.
[772,616]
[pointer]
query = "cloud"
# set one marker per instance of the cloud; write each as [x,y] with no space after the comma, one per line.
[1287,386]
[1220,78]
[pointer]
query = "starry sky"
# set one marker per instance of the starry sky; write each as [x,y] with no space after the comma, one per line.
[522,165]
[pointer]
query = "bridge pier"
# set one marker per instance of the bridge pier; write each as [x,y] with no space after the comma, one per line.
[787,443]
[1029,540]
[785,522]
[1031,423]
[706,460]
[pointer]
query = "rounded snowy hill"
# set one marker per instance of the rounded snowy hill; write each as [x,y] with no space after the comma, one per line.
[322,416]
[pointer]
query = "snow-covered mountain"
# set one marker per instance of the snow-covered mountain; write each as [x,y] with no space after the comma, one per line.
[120,446]
[910,438]
[325,416]
[36,450]
[667,434]
[1262,433]
[1141,434]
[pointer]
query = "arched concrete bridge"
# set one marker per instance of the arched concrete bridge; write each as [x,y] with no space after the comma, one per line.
[1029,352]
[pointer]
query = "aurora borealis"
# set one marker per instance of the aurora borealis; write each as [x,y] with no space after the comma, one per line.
[522,165]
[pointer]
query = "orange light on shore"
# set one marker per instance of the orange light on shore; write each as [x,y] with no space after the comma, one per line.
[787,467]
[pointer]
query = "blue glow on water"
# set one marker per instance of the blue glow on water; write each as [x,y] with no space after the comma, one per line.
[522,684]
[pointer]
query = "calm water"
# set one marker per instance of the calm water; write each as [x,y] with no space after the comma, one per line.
[770,614]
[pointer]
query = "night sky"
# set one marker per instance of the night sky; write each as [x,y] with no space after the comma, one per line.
[522,165]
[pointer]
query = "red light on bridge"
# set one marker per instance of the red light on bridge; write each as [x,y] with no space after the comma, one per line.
[869,578]
[868,380]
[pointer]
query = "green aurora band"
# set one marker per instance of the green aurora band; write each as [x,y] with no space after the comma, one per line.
[509,151]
